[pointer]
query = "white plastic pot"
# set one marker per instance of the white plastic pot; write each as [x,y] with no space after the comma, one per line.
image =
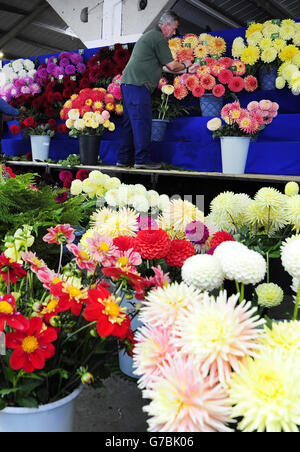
[54,417]
[234,152]
[40,146]
[126,361]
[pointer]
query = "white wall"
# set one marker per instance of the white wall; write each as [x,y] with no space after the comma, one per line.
[109,21]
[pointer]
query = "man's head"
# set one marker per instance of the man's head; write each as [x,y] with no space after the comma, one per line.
[168,23]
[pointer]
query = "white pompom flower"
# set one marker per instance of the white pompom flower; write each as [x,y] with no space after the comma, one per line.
[203,272]
[290,256]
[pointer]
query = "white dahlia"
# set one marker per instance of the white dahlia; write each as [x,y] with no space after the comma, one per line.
[161,306]
[203,272]
[290,256]
[241,264]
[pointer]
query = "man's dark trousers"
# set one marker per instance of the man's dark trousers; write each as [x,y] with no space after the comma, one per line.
[136,126]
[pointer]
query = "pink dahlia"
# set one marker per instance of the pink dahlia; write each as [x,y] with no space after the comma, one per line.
[183,400]
[61,235]
[102,249]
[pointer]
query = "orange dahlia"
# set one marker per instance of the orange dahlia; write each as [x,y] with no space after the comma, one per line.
[185,54]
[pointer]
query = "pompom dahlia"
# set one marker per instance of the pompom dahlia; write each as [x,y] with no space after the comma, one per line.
[218,333]
[269,295]
[182,400]
[179,252]
[219,237]
[203,272]
[290,256]
[152,243]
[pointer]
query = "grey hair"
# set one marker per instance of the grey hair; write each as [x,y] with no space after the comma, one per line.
[168,17]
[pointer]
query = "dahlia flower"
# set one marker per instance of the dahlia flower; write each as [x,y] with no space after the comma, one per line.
[214,124]
[182,400]
[61,234]
[218,333]
[240,263]
[152,349]
[266,393]
[179,214]
[202,272]
[179,252]
[293,211]
[290,256]
[101,248]
[123,222]
[250,55]
[269,295]
[162,306]
[291,188]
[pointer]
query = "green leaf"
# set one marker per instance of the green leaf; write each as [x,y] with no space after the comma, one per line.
[27,402]
[5,392]
[29,387]
[3,404]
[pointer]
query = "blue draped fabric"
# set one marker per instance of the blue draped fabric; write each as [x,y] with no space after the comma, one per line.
[188,143]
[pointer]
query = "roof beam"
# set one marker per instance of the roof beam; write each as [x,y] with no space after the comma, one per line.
[12,9]
[22,23]
[212,11]
[273,8]
[35,43]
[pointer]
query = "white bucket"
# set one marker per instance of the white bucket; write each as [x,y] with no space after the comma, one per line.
[126,361]
[234,152]
[56,417]
[40,145]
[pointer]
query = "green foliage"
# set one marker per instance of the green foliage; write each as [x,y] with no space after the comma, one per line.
[72,160]
[20,204]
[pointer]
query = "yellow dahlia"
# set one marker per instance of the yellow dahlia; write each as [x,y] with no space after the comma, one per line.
[291,188]
[279,44]
[280,82]
[293,211]
[288,53]
[270,29]
[217,333]
[237,47]
[269,54]
[179,213]
[190,39]
[175,44]
[266,393]
[182,400]
[283,336]
[288,72]
[217,46]
[254,38]
[123,222]
[200,51]
[294,83]
[287,32]
[288,22]
[269,295]
[250,55]
[253,28]
[296,60]
[265,43]
[296,39]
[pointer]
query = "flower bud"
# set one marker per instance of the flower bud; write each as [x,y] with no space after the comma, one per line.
[129,296]
[37,307]
[55,321]
[94,333]
[87,379]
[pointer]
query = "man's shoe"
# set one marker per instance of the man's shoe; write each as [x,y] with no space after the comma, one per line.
[124,165]
[150,166]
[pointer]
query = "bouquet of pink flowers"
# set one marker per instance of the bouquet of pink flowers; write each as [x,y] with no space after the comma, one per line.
[240,121]
[220,77]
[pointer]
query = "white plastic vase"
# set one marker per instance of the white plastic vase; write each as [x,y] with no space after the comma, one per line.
[40,145]
[126,361]
[56,417]
[234,152]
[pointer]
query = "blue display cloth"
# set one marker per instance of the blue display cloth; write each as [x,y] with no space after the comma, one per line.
[188,143]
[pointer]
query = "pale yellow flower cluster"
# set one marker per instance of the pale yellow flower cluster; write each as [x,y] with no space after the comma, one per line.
[92,120]
[193,46]
[271,42]
[269,210]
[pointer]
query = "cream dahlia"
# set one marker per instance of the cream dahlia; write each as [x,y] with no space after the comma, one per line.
[162,306]
[182,400]
[218,334]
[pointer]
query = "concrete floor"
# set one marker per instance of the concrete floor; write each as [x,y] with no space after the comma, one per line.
[117,407]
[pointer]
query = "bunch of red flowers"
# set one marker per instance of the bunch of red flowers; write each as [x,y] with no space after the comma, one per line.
[108,62]
[216,76]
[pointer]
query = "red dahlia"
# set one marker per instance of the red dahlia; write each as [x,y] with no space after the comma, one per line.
[236,84]
[9,314]
[124,242]
[218,90]
[179,252]
[220,237]
[32,346]
[11,271]
[152,243]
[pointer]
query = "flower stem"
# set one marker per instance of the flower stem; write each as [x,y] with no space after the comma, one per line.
[78,331]
[268,267]
[60,258]
[242,293]
[295,316]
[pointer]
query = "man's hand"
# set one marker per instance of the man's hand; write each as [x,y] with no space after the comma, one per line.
[193,68]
